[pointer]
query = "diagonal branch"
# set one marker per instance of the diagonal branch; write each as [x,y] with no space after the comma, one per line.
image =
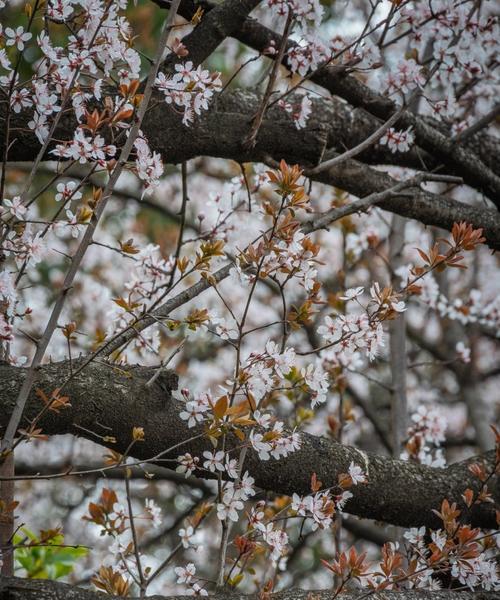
[322,221]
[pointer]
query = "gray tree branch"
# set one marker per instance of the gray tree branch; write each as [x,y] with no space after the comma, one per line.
[14,588]
[108,401]
[430,136]
[221,130]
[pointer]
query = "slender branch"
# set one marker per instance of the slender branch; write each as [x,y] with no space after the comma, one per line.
[397,344]
[364,145]
[203,284]
[321,222]
[142,580]
[250,141]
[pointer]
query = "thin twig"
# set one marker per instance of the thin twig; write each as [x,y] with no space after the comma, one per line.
[143,583]
[259,117]
[364,145]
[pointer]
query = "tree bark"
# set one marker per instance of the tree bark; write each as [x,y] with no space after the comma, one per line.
[13,588]
[220,131]
[110,401]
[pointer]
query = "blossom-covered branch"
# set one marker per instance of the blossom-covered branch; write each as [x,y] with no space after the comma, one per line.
[396,492]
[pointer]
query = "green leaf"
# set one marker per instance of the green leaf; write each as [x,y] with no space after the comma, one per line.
[51,561]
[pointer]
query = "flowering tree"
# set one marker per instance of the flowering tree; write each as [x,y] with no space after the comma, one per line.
[248,252]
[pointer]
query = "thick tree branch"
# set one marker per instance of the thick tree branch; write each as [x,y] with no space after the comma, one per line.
[370,532]
[432,209]
[220,133]
[14,588]
[224,20]
[429,137]
[106,400]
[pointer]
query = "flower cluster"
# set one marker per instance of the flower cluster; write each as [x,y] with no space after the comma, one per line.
[234,494]
[186,575]
[308,56]
[83,149]
[189,88]
[405,77]
[299,112]
[398,141]
[425,437]
[322,505]
[354,332]
[148,164]
[456,552]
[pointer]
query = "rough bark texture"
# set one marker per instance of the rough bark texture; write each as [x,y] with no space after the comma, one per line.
[13,588]
[354,91]
[221,130]
[333,126]
[431,136]
[430,209]
[111,401]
